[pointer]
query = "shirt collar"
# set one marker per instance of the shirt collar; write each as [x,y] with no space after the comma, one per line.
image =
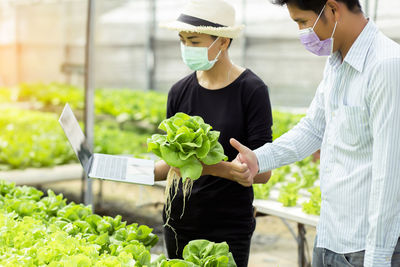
[358,51]
[335,59]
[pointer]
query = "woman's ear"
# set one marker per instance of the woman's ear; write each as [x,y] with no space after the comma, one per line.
[225,43]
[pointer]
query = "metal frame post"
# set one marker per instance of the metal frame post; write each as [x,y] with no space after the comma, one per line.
[89,92]
[301,240]
[18,46]
[376,10]
[150,46]
[301,243]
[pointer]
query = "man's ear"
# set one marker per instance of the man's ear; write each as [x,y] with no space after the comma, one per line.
[335,8]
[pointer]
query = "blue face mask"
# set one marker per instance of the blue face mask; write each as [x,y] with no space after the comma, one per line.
[196,58]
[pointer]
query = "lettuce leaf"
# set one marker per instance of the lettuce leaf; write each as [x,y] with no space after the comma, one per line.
[208,254]
[187,144]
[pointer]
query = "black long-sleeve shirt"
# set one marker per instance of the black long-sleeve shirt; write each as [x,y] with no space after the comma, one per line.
[242,110]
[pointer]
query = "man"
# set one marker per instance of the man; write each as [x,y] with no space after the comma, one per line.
[355,119]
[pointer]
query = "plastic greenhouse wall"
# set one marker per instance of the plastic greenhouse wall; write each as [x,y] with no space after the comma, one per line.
[44,41]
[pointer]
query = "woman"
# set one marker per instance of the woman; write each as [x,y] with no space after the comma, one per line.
[234,101]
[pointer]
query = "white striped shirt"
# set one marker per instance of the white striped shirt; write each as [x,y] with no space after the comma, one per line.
[355,119]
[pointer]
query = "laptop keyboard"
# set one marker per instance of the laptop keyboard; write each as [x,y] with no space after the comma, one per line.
[112,167]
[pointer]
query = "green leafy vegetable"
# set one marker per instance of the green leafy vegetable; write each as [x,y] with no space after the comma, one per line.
[44,231]
[283,122]
[313,206]
[35,139]
[205,253]
[188,142]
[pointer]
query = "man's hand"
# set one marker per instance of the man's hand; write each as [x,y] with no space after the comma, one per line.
[245,165]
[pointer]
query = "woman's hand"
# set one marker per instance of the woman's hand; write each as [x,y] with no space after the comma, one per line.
[161,170]
[177,171]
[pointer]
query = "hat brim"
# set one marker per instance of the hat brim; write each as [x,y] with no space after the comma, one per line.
[228,32]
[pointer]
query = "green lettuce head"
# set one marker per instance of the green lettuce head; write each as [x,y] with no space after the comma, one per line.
[187,144]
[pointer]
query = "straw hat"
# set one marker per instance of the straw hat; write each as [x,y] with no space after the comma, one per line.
[213,17]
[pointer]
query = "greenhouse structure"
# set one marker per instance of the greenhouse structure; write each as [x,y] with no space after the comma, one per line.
[94,110]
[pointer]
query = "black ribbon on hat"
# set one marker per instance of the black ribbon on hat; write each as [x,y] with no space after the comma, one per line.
[197,21]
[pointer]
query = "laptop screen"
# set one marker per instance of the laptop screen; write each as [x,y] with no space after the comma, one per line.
[75,136]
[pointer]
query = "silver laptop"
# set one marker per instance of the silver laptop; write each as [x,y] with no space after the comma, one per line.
[102,166]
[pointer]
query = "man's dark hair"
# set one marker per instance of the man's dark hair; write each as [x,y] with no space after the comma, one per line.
[317,5]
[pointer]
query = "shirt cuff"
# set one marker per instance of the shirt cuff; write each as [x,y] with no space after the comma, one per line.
[378,257]
[265,158]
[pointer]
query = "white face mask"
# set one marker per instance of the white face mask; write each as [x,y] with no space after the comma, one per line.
[196,58]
